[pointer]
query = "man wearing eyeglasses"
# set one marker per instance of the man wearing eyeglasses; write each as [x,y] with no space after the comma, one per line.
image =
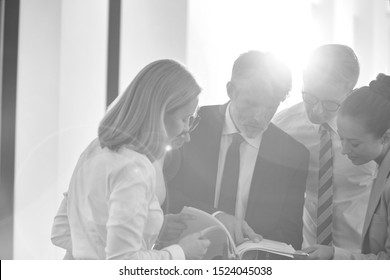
[337,191]
[238,166]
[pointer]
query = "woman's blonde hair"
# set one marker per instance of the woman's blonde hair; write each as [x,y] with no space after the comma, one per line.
[137,119]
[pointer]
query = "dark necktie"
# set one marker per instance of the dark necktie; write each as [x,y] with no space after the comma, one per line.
[231,172]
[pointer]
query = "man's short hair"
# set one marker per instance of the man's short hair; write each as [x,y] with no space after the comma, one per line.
[263,66]
[333,63]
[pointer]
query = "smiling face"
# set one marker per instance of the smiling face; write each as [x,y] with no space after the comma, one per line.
[359,145]
[252,108]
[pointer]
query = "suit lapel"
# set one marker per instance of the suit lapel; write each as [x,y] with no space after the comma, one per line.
[267,144]
[260,191]
[209,146]
[376,191]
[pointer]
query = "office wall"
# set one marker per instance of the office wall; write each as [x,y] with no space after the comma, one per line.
[60,99]
[361,24]
[151,30]
[372,38]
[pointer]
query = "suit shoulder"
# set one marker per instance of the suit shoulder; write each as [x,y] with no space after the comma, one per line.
[209,109]
[287,140]
[212,113]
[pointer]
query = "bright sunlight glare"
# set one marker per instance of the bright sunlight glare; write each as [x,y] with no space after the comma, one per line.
[228,28]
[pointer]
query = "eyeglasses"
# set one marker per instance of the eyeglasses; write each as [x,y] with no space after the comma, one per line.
[330,106]
[193,122]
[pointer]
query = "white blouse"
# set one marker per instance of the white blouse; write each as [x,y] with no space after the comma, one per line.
[112,208]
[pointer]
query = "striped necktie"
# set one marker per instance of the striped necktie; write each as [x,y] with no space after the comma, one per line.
[231,173]
[325,191]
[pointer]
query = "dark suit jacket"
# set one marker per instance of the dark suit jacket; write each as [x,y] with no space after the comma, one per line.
[278,185]
[376,238]
[376,228]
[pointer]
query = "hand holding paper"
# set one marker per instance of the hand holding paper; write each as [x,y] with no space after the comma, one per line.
[222,245]
[194,246]
[173,227]
[319,252]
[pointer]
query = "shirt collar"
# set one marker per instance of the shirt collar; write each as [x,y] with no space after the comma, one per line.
[332,124]
[230,128]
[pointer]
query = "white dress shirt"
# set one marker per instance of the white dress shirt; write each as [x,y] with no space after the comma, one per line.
[351,183]
[249,149]
[112,208]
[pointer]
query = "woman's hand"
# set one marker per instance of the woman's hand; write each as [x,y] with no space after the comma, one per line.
[173,227]
[194,246]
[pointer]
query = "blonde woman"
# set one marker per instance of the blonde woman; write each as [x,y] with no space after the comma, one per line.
[112,208]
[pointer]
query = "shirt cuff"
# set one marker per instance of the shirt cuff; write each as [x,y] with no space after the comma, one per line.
[176,252]
[341,254]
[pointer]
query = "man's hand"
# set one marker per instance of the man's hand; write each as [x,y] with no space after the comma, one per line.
[319,252]
[239,229]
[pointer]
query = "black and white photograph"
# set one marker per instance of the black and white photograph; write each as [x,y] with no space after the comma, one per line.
[251,131]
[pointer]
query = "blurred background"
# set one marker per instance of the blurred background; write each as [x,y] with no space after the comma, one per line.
[64,61]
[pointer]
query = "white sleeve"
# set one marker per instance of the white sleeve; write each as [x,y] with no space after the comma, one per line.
[60,232]
[128,204]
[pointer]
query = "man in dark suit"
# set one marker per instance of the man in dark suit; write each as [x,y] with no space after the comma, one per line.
[269,189]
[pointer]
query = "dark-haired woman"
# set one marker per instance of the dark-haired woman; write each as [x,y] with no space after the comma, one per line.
[364,127]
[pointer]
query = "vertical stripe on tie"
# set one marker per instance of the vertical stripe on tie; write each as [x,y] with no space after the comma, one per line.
[325,188]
